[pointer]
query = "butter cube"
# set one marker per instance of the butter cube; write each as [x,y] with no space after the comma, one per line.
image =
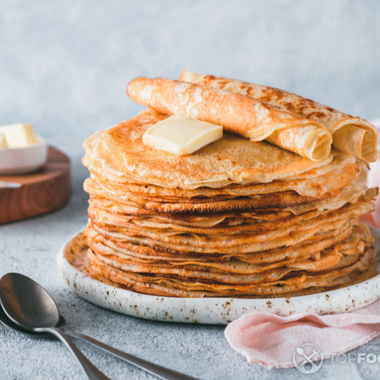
[18,135]
[182,135]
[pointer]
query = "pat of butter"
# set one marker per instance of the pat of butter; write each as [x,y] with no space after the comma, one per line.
[18,135]
[182,135]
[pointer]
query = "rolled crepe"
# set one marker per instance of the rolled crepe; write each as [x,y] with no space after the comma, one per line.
[237,113]
[350,134]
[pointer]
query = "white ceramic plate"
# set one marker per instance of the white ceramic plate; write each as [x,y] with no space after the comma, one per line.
[23,160]
[72,263]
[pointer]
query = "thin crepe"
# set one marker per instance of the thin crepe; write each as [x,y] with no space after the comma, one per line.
[146,253]
[237,113]
[350,134]
[246,225]
[119,154]
[340,175]
[193,287]
[235,272]
[221,240]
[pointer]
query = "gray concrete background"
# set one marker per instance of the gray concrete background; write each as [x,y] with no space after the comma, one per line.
[64,67]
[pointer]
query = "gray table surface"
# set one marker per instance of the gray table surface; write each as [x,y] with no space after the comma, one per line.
[64,67]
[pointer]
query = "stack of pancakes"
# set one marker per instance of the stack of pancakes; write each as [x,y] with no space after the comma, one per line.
[235,219]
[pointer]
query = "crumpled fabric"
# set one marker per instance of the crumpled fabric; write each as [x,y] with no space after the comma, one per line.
[301,339]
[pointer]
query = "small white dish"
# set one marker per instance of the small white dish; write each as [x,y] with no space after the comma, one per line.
[73,263]
[23,160]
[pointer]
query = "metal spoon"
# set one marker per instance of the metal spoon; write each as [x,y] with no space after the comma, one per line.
[29,305]
[14,279]
[4,319]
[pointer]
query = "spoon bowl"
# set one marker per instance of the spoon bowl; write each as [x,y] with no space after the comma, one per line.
[26,303]
[6,321]
[31,307]
[28,308]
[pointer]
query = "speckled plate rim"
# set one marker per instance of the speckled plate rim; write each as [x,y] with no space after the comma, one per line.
[204,310]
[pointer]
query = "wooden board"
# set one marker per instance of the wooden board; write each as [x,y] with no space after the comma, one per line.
[43,191]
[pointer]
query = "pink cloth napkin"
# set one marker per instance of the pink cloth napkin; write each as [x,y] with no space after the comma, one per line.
[273,341]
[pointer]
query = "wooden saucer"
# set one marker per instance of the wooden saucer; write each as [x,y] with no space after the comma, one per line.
[43,191]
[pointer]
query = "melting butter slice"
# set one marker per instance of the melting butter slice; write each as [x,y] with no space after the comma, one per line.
[17,135]
[182,135]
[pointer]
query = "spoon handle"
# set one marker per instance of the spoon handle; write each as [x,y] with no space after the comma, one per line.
[154,369]
[91,371]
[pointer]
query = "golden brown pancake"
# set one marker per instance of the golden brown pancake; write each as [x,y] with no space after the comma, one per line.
[174,285]
[120,155]
[235,219]
[237,113]
[350,134]
[341,174]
